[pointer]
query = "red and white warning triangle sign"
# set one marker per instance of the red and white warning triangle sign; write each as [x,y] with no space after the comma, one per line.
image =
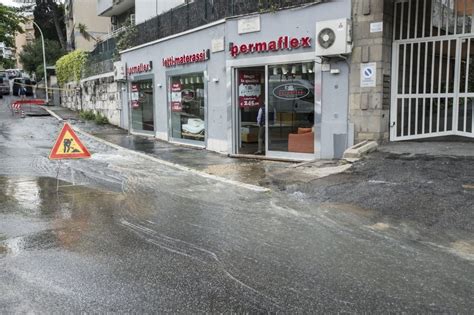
[68,146]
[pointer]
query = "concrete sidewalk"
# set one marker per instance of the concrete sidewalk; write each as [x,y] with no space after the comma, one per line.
[270,174]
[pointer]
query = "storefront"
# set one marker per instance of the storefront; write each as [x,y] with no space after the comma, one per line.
[187,68]
[244,86]
[187,98]
[277,88]
[141,117]
[275,108]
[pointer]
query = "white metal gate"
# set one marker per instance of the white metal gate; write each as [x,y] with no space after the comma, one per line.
[432,69]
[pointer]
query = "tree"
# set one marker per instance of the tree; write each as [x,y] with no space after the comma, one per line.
[9,24]
[32,56]
[49,15]
[7,63]
[82,28]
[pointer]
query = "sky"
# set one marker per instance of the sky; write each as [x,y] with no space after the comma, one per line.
[9,3]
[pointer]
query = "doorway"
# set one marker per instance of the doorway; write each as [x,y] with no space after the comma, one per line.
[142,114]
[250,98]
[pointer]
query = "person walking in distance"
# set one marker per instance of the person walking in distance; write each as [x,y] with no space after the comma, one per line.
[22,92]
[261,129]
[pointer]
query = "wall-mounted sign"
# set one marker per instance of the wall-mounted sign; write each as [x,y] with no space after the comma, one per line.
[283,43]
[376,27]
[368,74]
[249,25]
[290,91]
[250,89]
[217,45]
[143,67]
[176,104]
[185,59]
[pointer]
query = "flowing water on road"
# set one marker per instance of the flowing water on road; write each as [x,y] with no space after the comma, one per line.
[127,234]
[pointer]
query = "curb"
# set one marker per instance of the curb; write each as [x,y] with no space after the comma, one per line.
[357,151]
[52,113]
[166,163]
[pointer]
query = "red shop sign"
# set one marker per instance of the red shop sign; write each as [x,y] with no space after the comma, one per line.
[176,102]
[173,61]
[143,67]
[250,89]
[282,43]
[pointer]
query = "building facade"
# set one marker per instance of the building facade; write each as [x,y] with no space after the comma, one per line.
[205,87]
[403,74]
[421,50]
[79,13]
[22,39]
[118,12]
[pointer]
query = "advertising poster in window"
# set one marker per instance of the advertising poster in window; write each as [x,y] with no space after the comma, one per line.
[176,98]
[250,89]
[135,96]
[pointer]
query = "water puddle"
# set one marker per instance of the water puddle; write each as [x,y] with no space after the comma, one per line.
[34,216]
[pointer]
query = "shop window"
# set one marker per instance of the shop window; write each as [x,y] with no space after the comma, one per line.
[291,105]
[142,105]
[187,105]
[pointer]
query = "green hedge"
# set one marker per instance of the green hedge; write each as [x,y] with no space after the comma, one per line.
[69,67]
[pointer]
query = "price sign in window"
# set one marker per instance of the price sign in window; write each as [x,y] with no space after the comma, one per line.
[250,89]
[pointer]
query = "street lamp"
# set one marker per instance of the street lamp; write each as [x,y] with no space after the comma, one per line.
[44,62]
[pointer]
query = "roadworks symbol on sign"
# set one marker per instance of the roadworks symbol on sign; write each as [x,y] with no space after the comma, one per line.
[68,146]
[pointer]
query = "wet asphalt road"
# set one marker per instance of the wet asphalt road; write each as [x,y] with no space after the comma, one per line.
[138,236]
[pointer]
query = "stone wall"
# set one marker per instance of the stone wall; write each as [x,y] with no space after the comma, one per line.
[369,107]
[102,95]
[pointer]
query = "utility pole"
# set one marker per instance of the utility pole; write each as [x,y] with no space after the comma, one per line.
[44,62]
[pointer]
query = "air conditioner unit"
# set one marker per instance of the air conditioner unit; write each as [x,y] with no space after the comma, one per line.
[333,37]
[119,71]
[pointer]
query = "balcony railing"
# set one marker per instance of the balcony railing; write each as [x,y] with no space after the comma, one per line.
[201,12]
[114,33]
[113,7]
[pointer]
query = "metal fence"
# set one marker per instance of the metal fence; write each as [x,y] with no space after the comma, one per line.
[180,19]
[201,12]
[101,59]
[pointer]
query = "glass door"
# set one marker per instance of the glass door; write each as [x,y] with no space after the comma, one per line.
[290,110]
[250,101]
[142,106]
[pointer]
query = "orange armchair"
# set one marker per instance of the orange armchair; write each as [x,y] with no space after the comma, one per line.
[301,142]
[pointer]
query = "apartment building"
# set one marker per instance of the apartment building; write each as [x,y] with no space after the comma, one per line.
[78,12]
[22,39]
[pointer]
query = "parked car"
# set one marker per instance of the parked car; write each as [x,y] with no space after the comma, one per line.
[4,84]
[13,73]
[17,83]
